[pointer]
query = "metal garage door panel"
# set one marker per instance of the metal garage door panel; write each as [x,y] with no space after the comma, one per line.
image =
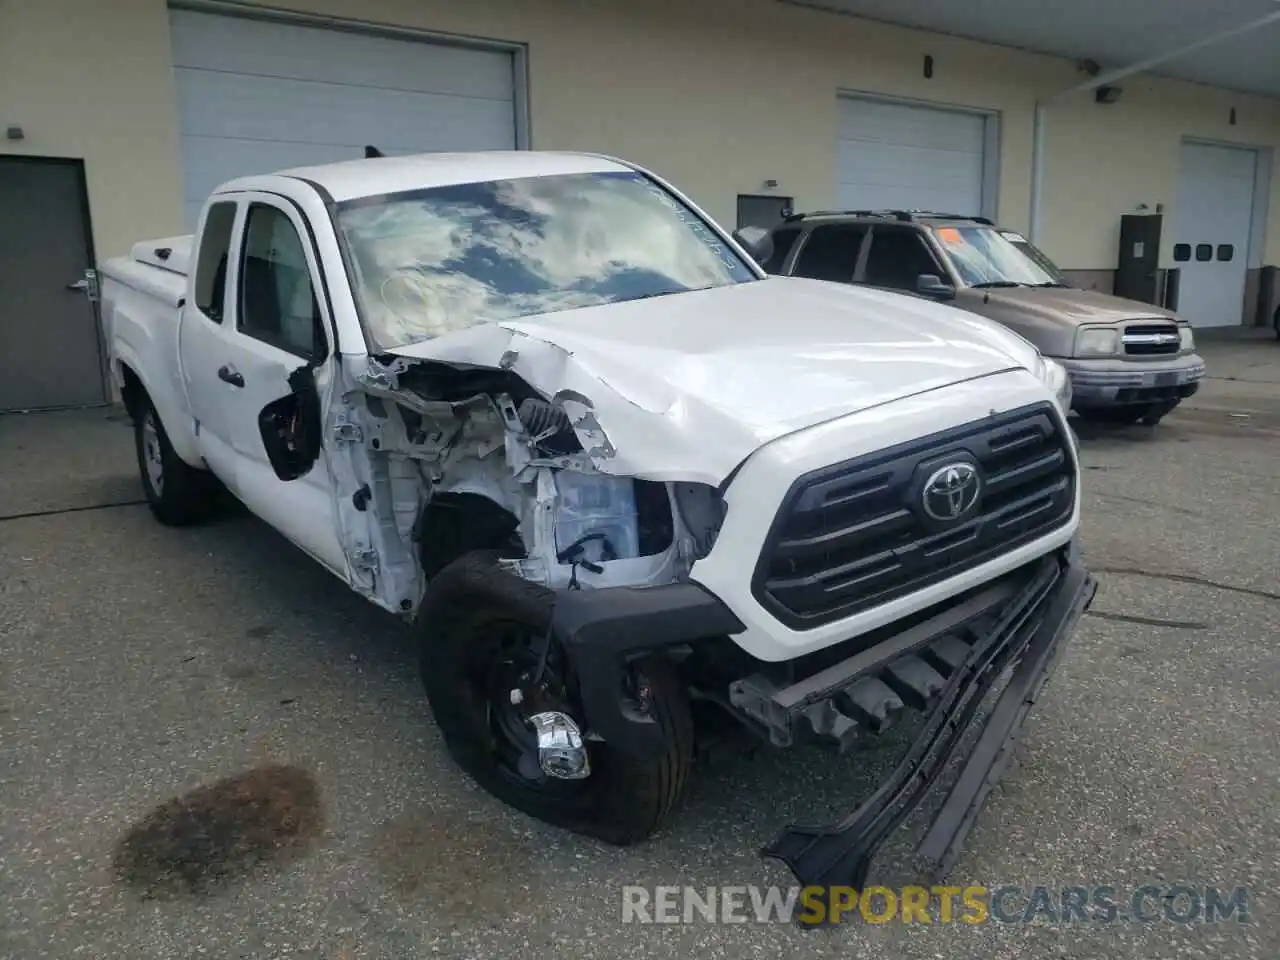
[1215,207]
[256,96]
[241,107]
[240,45]
[893,155]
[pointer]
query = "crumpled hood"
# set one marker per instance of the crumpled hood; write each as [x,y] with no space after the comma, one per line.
[686,386]
[1069,305]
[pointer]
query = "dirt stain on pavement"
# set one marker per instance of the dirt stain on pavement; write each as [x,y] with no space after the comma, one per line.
[220,832]
[456,864]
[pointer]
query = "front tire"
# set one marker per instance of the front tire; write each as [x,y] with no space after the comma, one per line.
[482,630]
[177,493]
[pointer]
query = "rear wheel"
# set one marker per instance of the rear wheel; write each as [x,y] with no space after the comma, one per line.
[177,493]
[1116,415]
[1275,322]
[485,633]
[1157,412]
[1148,414]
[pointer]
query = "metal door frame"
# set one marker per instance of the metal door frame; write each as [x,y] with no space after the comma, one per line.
[82,184]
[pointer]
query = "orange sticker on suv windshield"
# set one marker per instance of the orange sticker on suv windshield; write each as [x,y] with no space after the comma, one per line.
[949,235]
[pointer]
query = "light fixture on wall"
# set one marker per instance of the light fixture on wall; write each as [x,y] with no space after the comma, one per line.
[1106,94]
[14,132]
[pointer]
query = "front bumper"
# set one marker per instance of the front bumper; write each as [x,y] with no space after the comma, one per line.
[1107,382]
[1029,637]
[1022,623]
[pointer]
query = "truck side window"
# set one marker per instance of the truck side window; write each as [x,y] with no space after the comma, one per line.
[211,266]
[831,252]
[277,301]
[897,257]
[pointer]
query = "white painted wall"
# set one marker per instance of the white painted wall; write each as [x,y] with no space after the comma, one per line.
[719,95]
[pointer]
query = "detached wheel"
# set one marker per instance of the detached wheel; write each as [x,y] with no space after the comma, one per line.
[177,493]
[484,633]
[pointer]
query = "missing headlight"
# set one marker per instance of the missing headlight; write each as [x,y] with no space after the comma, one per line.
[702,510]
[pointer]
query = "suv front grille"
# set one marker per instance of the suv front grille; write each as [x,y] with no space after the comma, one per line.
[1151,339]
[856,534]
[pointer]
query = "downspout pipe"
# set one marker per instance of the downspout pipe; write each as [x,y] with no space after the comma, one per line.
[1041,120]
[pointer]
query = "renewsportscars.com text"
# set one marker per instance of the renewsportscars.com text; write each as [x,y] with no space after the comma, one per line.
[974,904]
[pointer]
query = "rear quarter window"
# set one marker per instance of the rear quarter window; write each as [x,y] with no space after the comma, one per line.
[783,241]
[211,262]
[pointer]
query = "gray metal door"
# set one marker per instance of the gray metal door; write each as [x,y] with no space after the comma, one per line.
[50,350]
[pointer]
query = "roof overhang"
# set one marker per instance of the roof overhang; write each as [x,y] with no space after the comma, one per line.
[1111,37]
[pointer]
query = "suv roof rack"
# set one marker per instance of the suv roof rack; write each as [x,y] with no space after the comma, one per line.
[903,216]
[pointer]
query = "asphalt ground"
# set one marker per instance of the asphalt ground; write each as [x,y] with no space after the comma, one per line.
[139,663]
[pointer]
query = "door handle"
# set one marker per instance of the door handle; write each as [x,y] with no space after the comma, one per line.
[88,285]
[231,376]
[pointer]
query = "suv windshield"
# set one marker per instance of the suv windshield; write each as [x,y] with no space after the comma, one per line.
[989,257]
[434,261]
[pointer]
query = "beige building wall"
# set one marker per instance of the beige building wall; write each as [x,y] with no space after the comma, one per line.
[1105,160]
[718,95]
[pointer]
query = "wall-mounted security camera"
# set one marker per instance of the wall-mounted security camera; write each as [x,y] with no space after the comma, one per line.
[1106,94]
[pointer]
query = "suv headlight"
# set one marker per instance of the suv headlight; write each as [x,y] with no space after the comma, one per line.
[1187,338]
[1054,376]
[1096,342]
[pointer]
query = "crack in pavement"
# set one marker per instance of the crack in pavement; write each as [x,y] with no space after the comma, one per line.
[1147,621]
[1188,578]
[59,511]
[1149,503]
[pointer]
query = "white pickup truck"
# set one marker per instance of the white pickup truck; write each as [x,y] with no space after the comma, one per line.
[628,486]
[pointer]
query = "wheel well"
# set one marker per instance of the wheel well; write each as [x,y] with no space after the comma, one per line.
[455,524]
[132,392]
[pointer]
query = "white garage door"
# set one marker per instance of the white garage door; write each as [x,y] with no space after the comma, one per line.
[256,96]
[1212,224]
[911,158]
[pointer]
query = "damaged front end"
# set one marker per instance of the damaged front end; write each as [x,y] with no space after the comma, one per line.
[435,459]
[432,460]
[1017,628]
[941,666]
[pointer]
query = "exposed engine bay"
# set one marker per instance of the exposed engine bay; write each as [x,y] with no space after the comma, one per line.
[456,460]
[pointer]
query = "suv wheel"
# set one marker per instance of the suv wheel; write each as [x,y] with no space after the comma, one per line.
[1113,415]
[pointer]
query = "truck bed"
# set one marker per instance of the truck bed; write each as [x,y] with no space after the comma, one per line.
[142,296]
[155,267]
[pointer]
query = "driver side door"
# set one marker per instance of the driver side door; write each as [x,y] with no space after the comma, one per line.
[282,369]
[896,258]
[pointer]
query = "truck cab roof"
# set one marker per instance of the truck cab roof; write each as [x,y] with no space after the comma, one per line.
[353,179]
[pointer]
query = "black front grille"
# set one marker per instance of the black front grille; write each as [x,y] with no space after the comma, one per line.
[1151,339]
[855,535]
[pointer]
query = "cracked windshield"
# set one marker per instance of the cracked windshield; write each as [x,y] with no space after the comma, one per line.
[444,259]
[986,257]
